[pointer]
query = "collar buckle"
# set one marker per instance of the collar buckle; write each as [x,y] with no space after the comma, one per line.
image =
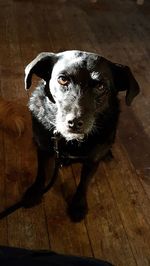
[56,139]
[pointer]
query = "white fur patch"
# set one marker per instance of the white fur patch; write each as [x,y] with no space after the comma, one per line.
[95,75]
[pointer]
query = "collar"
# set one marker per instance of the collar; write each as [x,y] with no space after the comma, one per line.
[56,138]
[58,153]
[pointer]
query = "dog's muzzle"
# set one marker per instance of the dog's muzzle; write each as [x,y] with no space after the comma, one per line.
[73,136]
[75,125]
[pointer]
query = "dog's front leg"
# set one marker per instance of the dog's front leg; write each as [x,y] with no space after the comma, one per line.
[34,193]
[78,207]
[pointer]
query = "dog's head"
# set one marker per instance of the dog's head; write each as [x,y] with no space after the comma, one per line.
[81,85]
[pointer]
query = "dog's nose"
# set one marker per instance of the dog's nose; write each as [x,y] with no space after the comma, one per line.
[75,123]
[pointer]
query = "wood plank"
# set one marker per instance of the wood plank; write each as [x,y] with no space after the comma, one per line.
[3,223]
[12,70]
[136,188]
[131,210]
[19,152]
[65,236]
[104,224]
[27,229]
[137,144]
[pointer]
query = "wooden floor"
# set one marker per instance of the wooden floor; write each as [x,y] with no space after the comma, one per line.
[117,227]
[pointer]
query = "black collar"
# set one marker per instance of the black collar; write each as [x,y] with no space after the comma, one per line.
[59,154]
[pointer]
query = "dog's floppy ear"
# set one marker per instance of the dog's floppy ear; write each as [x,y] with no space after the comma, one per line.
[41,66]
[124,80]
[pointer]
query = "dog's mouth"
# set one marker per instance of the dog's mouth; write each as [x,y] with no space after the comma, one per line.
[70,134]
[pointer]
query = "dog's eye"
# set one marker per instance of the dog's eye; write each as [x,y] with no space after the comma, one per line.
[63,80]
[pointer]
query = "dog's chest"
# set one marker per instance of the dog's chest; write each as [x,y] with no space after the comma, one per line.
[76,149]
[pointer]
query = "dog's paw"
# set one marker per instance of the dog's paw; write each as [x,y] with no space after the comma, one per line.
[78,210]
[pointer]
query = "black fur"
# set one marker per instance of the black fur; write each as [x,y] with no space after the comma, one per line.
[84,111]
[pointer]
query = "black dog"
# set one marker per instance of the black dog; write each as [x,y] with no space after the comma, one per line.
[77,101]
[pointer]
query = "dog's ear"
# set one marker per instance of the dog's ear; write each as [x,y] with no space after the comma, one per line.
[41,66]
[124,80]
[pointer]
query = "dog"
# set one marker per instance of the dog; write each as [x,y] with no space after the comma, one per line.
[76,99]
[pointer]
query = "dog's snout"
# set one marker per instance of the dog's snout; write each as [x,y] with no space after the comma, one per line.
[75,123]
